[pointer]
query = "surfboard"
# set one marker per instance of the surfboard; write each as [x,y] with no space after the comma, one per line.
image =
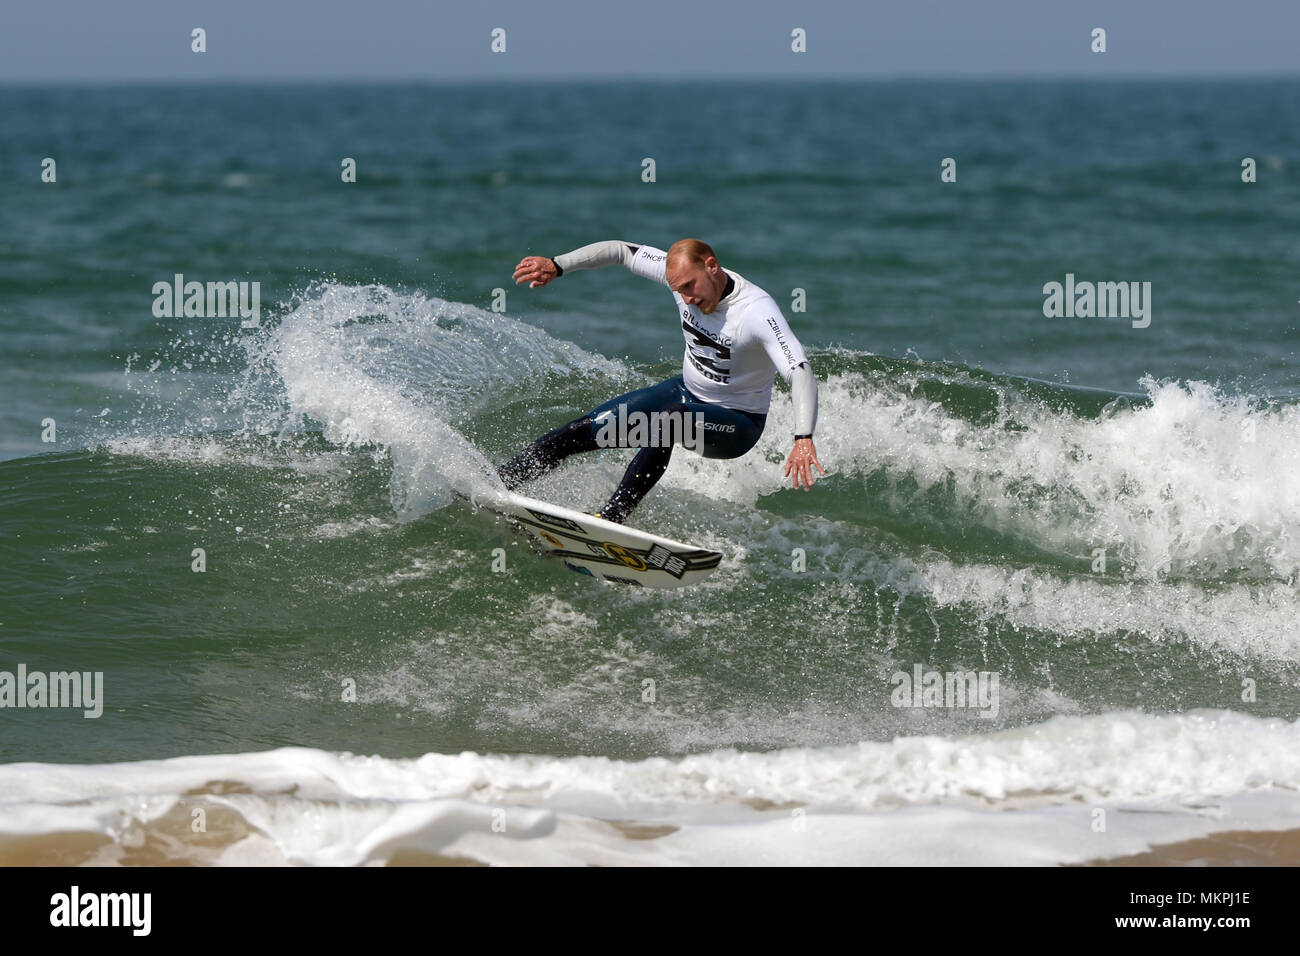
[603,549]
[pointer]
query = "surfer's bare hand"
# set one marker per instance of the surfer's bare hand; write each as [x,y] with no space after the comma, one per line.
[535,270]
[802,460]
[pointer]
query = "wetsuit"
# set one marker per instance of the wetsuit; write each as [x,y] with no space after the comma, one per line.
[726,380]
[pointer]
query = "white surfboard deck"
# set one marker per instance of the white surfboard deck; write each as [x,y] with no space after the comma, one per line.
[604,549]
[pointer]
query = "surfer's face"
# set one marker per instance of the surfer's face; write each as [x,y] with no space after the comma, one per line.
[698,283]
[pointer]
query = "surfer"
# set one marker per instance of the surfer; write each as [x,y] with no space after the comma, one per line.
[735,336]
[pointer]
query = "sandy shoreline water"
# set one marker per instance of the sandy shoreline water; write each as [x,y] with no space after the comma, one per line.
[939,836]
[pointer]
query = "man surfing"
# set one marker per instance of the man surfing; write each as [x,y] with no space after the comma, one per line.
[735,337]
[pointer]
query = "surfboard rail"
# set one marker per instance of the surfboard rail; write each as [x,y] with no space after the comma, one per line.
[603,549]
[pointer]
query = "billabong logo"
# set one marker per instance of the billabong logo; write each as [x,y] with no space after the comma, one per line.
[698,330]
[775,326]
[709,353]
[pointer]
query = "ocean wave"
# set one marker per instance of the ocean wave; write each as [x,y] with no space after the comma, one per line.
[1046,785]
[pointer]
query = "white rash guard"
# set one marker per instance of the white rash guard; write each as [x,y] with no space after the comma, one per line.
[730,353]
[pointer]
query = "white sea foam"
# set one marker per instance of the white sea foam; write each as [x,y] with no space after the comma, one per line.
[1195,496]
[1255,620]
[1158,778]
[391,370]
[1195,483]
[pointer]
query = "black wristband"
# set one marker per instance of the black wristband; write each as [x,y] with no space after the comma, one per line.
[797,437]
[558,271]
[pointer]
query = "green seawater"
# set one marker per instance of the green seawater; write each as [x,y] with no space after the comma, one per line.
[1107,517]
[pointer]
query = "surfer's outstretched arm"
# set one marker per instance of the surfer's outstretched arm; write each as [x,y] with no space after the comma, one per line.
[803,457]
[791,363]
[642,259]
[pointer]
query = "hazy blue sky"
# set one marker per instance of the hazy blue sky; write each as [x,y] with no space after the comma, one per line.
[53,40]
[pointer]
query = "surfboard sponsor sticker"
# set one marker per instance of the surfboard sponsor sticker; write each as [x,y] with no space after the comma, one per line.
[661,557]
[625,555]
[557,521]
[595,547]
[618,580]
[550,539]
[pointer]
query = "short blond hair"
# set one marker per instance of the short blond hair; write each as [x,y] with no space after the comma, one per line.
[689,250]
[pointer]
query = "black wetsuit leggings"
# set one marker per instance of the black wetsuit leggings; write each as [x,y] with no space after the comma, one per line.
[652,419]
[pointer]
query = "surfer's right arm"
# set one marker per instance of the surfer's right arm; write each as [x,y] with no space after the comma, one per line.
[644,260]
